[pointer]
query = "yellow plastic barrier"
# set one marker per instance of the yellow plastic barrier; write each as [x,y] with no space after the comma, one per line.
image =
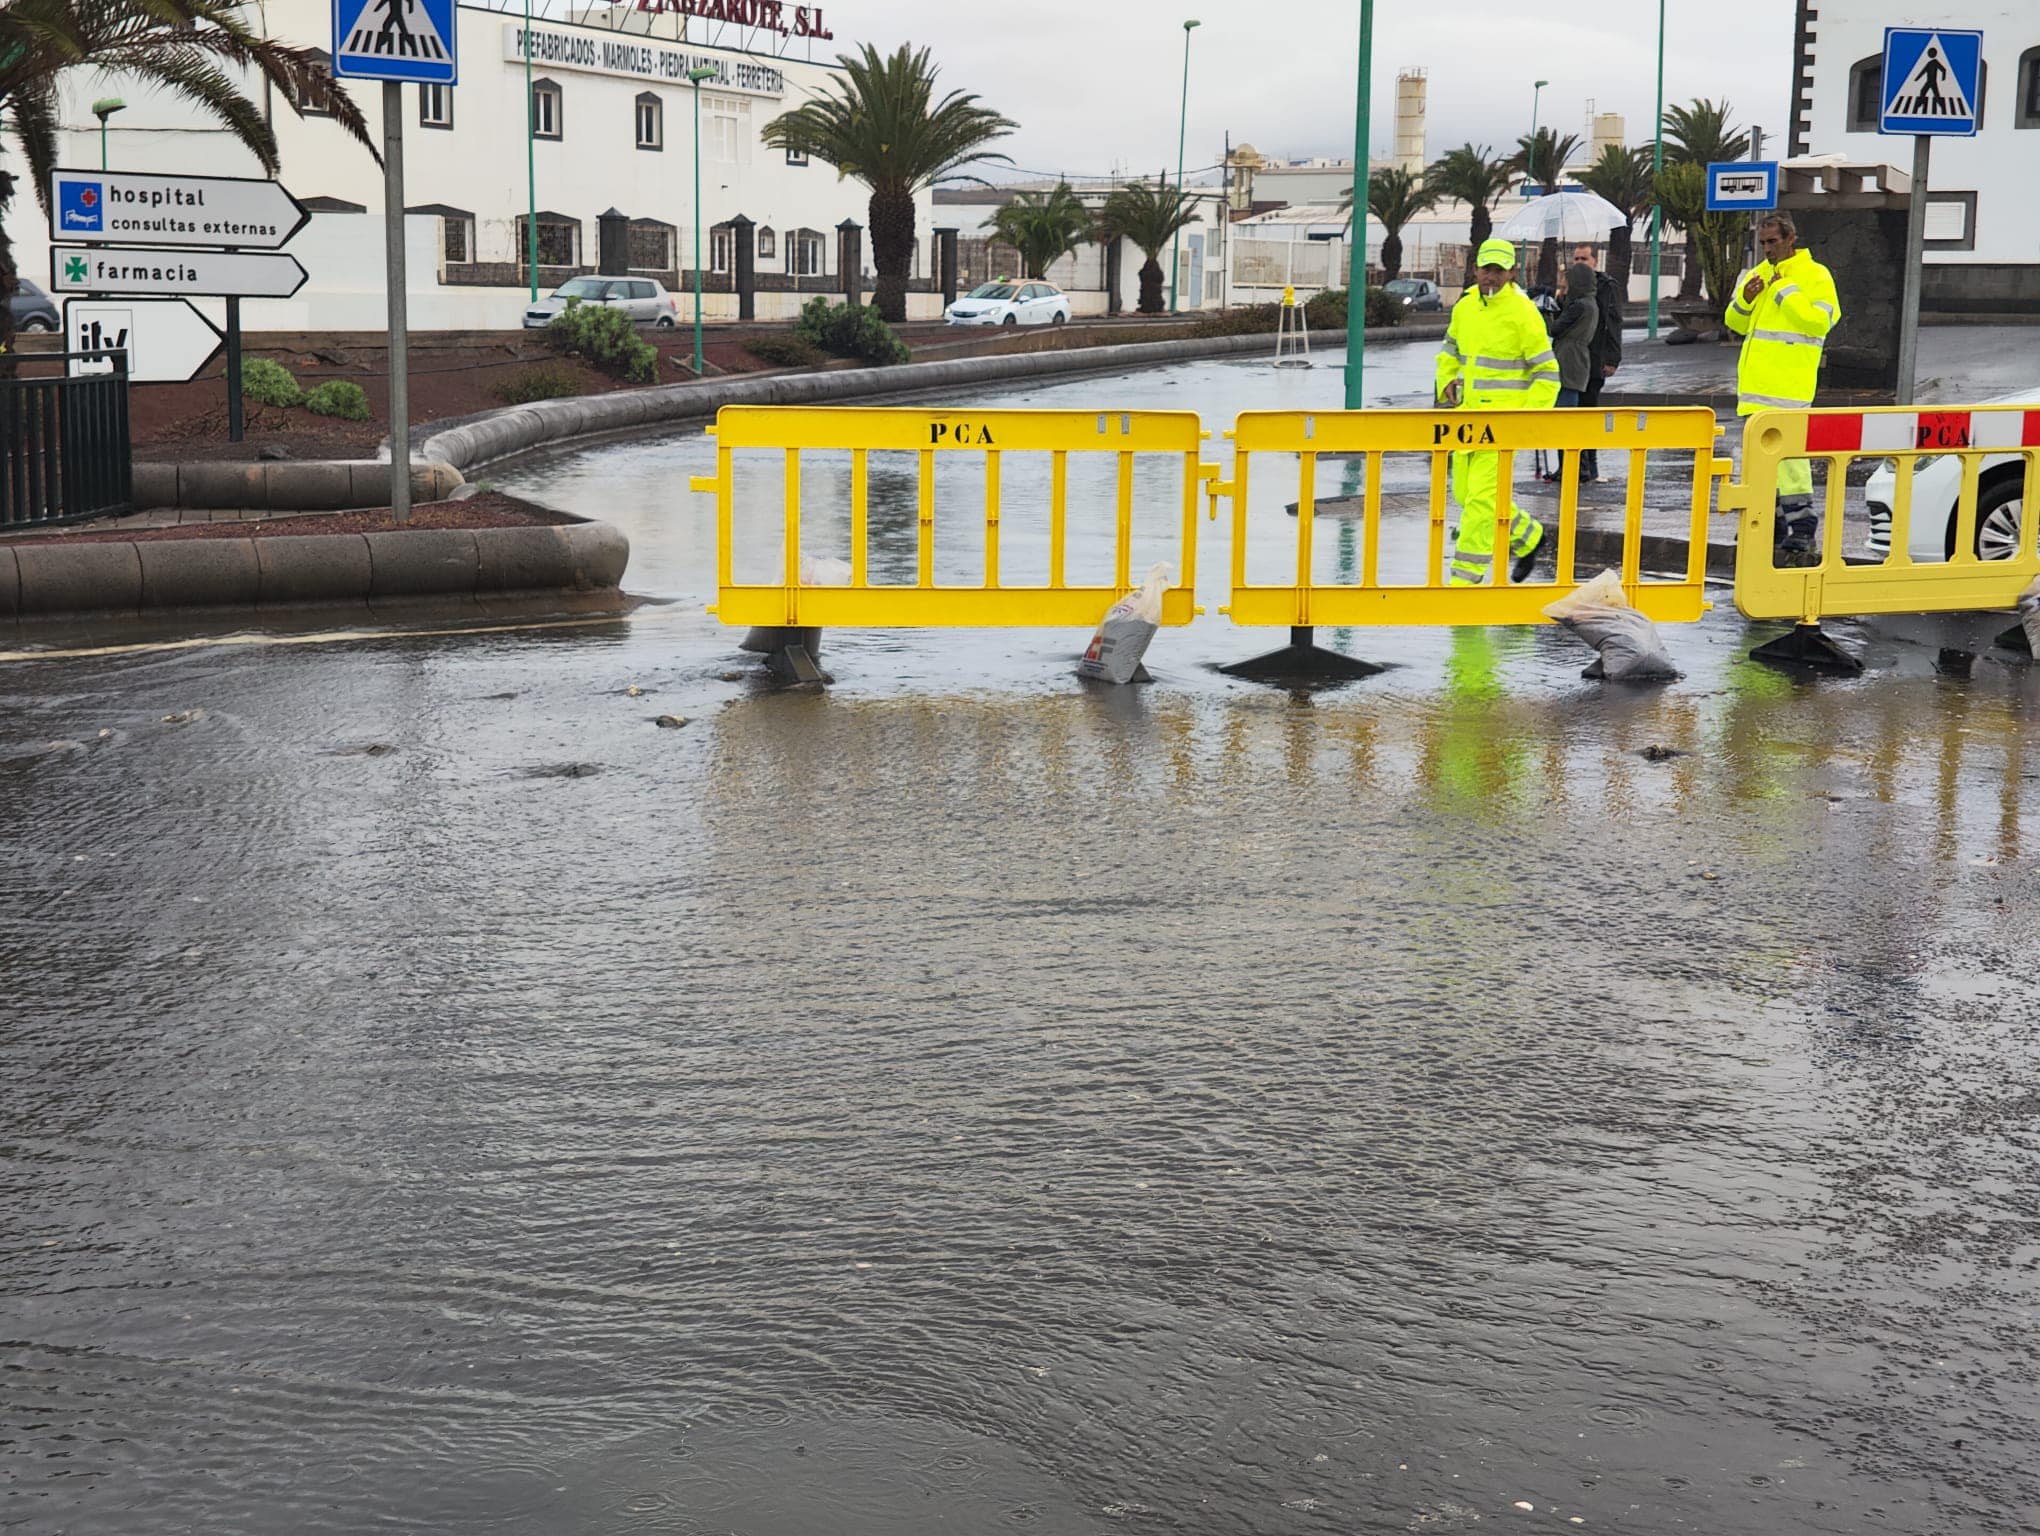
[933,434]
[1437,435]
[1899,584]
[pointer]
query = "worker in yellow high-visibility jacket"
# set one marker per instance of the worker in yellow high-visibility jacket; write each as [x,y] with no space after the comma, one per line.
[1783,308]
[1497,357]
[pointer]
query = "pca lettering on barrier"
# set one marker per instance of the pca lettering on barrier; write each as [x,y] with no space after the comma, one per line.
[961,434]
[1469,433]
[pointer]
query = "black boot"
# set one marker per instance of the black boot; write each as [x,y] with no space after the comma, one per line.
[1521,568]
[1796,531]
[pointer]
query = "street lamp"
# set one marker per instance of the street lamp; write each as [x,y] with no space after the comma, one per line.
[1356,264]
[103,109]
[1657,207]
[697,76]
[1530,160]
[1182,123]
[530,162]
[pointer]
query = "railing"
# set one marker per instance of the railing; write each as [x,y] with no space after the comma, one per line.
[64,447]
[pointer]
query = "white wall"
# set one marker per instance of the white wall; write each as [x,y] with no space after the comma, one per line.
[2001,164]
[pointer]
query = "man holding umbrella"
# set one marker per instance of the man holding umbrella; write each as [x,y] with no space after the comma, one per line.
[1497,357]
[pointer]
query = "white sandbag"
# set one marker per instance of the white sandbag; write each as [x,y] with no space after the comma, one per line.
[824,573]
[2029,614]
[1122,636]
[1600,613]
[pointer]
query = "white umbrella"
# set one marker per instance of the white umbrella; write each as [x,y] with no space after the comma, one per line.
[1563,216]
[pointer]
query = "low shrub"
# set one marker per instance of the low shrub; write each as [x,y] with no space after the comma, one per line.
[789,351]
[1323,311]
[851,330]
[269,383]
[338,397]
[1384,308]
[1326,310]
[607,338]
[546,381]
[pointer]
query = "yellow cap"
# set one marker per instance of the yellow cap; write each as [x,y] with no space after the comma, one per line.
[1496,253]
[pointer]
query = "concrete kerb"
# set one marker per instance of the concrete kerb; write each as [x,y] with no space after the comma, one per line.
[499,435]
[309,485]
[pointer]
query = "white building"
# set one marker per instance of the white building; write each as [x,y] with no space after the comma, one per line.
[1983,217]
[613,128]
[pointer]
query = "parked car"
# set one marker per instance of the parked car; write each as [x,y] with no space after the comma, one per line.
[1007,302]
[1419,295]
[1937,488]
[33,309]
[644,299]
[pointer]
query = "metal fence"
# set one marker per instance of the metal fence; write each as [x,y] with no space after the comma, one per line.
[64,447]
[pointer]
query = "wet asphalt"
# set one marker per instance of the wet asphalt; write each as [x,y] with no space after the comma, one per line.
[441,1097]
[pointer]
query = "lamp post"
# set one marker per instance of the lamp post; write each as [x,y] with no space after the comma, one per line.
[1530,160]
[530,163]
[1182,125]
[103,109]
[1657,207]
[697,76]
[1356,279]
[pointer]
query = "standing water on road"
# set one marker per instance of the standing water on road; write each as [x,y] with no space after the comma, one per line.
[439,1098]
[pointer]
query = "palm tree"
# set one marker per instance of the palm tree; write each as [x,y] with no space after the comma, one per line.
[1543,160]
[1473,177]
[189,48]
[1716,239]
[1148,214]
[1699,133]
[1043,227]
[882,124]
[1623,177]
[1395,197]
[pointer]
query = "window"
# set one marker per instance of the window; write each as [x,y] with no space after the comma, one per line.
[1950,222]
[435,106]
[804,253]
[2027,113]
[559,240]
[796,157]
[721,248]
[456,239]
[651,245]
[726,135]
[311,102]
[768,243]
[1866,93]
[651,122]
[547,118]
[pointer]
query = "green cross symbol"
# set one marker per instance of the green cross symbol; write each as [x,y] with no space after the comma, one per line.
[74,269]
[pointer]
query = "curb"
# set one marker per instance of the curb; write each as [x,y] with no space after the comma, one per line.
[494,436]
[578,564]
[306,485]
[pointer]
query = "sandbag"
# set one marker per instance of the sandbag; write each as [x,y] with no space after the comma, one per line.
[1122,636]
[1600,613]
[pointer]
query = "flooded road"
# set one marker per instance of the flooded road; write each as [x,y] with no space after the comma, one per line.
[441,1098]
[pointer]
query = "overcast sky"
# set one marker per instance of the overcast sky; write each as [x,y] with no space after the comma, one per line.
[1095,87]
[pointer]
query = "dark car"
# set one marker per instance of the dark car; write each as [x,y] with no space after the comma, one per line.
[33,310]
[1419,295]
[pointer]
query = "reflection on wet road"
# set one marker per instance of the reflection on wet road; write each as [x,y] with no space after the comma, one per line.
[441,1099]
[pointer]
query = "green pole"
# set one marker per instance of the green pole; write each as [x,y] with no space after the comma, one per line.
[530,164]
[697,76]
[1356,282]
[1657,207]
[102,143]
[1182,124]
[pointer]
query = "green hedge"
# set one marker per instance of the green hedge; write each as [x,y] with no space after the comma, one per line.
[547,381]
[851,330]
[789,351]
[607,338]
[337,397]
[1325,311]
[269,383]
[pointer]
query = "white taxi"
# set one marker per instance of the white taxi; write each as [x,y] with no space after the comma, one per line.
[1027,301]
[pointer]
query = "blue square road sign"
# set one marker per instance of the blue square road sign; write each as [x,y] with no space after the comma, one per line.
[1932,77]
[81,208]
[1741,185]
[396,40]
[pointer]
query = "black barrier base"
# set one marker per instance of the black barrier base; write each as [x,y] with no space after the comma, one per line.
[1804,645]
[2015,639]
[1302,664]
[791,654]
[1140,675]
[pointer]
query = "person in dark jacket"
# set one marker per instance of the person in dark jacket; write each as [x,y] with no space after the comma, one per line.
[1572,338]
[1607,350]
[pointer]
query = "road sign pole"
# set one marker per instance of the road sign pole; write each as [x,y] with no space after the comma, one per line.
[393,240]
[234,411]
[1915,254]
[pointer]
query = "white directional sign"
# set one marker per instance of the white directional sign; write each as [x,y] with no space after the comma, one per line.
[171,273]
[395,40]
[130,208]
[166,340]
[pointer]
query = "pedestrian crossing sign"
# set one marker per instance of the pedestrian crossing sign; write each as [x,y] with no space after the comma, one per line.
[395,40]
[1932,78]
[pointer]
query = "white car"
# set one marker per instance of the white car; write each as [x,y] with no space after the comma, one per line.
[644,299]
[1007,302]
[1937,489]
